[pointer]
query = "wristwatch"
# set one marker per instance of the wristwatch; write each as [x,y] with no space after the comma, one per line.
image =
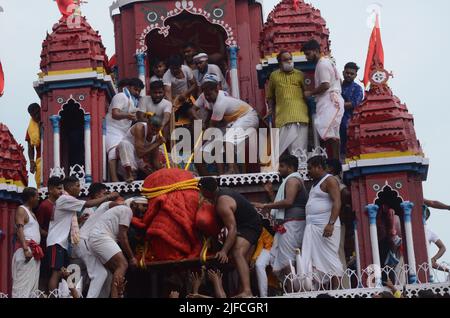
[331,223]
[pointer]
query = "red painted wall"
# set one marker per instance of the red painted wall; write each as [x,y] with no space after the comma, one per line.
[7,211]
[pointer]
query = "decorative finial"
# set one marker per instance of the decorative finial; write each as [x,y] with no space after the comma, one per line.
[77,10]
[380,76]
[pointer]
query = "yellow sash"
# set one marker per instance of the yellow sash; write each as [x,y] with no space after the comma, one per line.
[242,110]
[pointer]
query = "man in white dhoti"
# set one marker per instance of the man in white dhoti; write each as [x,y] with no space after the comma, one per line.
[111,227]
[139,149]
[329,102]
[100,281]
[237,119]
[27,258]
[121,114]
[288,213]
[322,233]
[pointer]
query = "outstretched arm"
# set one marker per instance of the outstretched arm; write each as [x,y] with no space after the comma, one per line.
[96,202]
[436,205]
[293,186]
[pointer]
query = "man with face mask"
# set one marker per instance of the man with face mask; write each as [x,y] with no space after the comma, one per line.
[120,116]
[353,96]
[286,100]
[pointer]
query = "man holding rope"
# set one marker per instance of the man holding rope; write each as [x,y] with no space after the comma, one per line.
[140,144]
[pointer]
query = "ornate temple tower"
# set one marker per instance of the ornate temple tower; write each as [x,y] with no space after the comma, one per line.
[386,167]
[75,90]
[290,25]
[13,178]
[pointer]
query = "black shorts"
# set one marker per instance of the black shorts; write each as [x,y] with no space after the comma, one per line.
[251,234]
[57,257]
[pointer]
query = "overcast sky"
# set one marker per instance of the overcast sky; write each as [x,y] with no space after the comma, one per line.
[416,41]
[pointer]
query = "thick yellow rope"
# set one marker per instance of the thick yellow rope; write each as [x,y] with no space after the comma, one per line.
[188,164]
[166,153]
[179,186]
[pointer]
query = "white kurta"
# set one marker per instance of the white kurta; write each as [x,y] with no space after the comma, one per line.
[329,105]
[116,129]
[240,118]
[102,239]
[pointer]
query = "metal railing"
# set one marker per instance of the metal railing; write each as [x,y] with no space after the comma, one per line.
[369,283]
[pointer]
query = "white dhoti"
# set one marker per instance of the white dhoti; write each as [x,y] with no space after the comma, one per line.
[329,113]
[25,275]
[103,247]
[321,254]
[294,138]
[100,278]
[261,264]
[128,156]
[236,132]
[285,245]
[113,137]
[342,247]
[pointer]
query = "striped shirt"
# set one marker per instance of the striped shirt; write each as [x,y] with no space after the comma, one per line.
[286,89]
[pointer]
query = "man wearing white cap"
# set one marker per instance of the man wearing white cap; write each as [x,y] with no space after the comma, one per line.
[237,119]
[203,68]
[110,228]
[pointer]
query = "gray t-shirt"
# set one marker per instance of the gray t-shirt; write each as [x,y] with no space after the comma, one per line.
[179,85]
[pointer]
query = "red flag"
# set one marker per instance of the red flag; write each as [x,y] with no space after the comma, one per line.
[376,51]
[296,4]
[2,80]
[66,7]
[112,61]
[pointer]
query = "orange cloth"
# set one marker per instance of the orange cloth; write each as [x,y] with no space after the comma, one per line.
[265,242]
[244,109]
